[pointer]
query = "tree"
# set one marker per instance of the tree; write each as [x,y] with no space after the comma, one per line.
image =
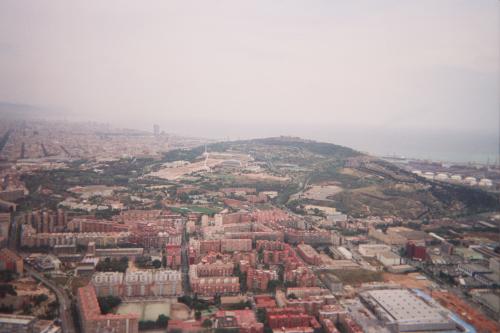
[164,261]
[186,299]
[27,309]
[281,273]
[217,299]
[162,321]
[176,330]
[261,315]
[184,198]
[147,325]
[7,289]
[6,309]
[6,276]
[107,303]
[156,263]
[197,315]
[40,298]
[207,323]
[143,261]
[112,265]
[273,284]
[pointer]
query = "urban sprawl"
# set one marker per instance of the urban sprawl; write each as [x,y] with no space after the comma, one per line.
[118,231]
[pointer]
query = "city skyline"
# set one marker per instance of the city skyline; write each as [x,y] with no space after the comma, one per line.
[257,70]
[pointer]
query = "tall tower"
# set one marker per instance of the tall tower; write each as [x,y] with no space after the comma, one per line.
[156,129]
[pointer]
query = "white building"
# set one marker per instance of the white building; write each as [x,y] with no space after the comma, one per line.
[428,175]
[441,177]
[107,283]
[470,181]
[485,182]
[388,258]
[141,283]
[345,252]
[404,311]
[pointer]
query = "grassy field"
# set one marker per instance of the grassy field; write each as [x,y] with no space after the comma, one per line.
[357,276]
[197,209]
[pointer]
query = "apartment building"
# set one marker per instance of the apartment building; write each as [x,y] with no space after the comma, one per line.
[141,283]
[234,245]
[30,238]
[209,279]
[288,317]
[309,254]
[258,279]
[11,261]
[88,225]
[293,236]
[173,256]
[45,221]
[92,321]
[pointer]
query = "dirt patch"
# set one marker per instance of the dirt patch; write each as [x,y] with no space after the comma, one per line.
[492,236]
[321,192]
[466,312]
[412,280]
[180,311]
[263,177]
[353,172]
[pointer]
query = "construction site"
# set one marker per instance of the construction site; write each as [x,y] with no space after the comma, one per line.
[466,312]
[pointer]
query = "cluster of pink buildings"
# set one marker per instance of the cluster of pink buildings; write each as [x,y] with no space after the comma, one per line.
[10,261]
[173,255]
[291,317]
[45,221]
[209,279]
[258,279]
[244,320]
[297,310]
[295,271]
[91,319]
[145,228]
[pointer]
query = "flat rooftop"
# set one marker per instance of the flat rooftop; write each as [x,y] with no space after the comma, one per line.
[402,305]
[408,310]
[16,319]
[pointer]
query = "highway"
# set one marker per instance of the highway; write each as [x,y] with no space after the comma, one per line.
[67,323]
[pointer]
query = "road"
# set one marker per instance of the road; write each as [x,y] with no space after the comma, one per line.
[185,265]
[67,323]
[13,234]
[65,316]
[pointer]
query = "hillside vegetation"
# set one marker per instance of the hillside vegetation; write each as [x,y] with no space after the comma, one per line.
[369,186]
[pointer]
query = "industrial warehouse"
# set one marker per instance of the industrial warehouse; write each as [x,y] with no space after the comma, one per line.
[403,311]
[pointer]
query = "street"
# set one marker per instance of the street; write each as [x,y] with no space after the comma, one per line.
[67,323]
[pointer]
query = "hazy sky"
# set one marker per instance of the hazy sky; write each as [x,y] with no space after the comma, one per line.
[321,69]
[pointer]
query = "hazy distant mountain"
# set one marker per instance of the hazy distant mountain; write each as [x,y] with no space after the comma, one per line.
[10,110]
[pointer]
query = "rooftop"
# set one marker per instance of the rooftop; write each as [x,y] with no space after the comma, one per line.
[405,308]
[16,319]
